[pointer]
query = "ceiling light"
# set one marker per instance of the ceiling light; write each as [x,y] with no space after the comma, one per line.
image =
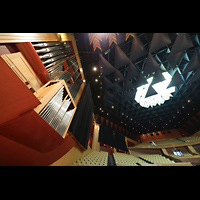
[96,80]
[98,97]
[188,100]
[94,69]
[163,93]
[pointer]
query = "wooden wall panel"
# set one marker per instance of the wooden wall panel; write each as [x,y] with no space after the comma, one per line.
[28,37]
[15,97]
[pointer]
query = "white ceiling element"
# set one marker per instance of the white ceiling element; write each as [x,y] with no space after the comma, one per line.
[163,93]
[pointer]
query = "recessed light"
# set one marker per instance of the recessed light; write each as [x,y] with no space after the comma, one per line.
[94,69]
[188,100]
[98,97]
[96,80]
[112,106]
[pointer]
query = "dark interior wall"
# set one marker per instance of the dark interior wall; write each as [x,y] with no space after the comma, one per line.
[112,138]
[81,123]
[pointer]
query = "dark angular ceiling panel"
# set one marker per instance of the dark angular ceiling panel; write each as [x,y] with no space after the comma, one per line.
[151,65]
[107,67]
[195,77]
[176,80]
[174,59]
[150,92]
[107,83]
[118,76]
[120,58]
[137,49]
[182,42]
[158,77]
[128,85]
[194,63]
[117,88]
[140,81]
[159,40]
[132,71]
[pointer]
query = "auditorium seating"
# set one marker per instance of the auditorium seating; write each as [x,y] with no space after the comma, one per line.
[93,159]
[190,139]
[168,141]
[184,154]
[125,159]
[156,158]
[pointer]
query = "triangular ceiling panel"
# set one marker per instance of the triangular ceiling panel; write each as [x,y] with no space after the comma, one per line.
[195,77]
[151,65]
[159,40]
[194,63]
[107,67]
[108,95]
[108,103]
[128,85]
[125,98]
[117,88]
[132,71]
[182,42]
[137,50]
[158,77]
[140,81]
[150,92]
[174,59]
[176,80]
[107,83]
[118,76]
[120,58]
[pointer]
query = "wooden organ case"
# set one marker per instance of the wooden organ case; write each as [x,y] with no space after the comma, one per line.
[34,115]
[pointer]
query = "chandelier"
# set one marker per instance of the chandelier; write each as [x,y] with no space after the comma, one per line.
[163,93]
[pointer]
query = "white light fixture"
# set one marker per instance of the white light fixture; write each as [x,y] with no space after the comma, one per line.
[94,69]
[164,93]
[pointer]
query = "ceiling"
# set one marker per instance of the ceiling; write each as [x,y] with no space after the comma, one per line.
[124,66]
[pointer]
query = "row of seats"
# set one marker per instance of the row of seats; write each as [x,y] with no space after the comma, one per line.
[169,141]
[156,158]
[94,158]
[122,158]
[184,154]
[190,139]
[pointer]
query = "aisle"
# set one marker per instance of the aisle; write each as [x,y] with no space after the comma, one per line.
[111,161]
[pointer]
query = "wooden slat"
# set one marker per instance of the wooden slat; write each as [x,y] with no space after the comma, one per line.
[28,37]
